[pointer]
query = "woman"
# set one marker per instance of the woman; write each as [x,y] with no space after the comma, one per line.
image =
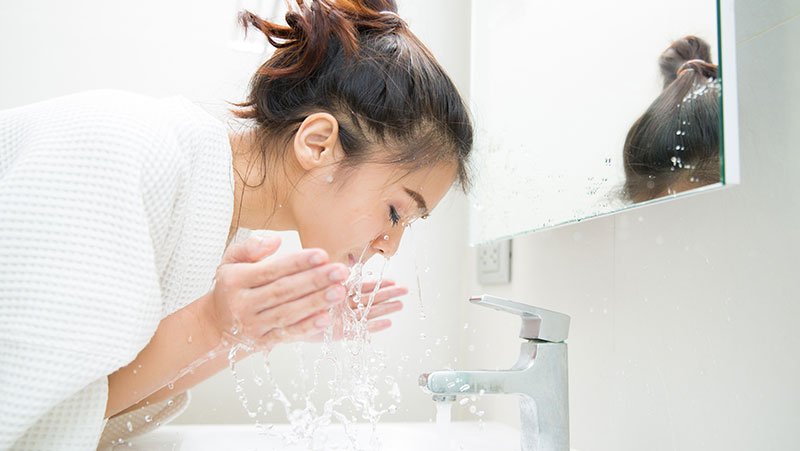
[674,145]
[115,210]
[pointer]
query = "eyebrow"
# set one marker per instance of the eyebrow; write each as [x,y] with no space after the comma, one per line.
[419,199]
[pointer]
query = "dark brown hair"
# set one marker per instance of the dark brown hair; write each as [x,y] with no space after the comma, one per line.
[358,61]
[674,145]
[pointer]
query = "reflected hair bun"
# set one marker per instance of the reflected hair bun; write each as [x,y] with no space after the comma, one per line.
[685,54]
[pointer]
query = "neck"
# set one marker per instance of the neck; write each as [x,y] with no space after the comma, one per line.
[262,195]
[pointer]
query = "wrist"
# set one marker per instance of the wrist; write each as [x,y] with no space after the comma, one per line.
[209,321]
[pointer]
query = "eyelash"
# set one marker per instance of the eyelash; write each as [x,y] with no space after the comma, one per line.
[393,215]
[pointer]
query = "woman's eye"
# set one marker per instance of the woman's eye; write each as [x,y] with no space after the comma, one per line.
[394,216]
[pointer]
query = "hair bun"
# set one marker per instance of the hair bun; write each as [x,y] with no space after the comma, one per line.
[699,66]
[313,25]
[687,53]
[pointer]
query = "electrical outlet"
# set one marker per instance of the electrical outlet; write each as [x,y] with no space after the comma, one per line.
[494,262]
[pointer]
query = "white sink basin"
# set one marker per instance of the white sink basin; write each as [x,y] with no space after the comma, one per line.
[461,435]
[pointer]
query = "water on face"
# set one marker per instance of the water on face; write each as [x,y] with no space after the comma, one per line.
[345,378]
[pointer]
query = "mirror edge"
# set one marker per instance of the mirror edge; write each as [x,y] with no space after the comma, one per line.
[726,28]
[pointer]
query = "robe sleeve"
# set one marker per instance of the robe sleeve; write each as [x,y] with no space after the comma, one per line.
[79,284]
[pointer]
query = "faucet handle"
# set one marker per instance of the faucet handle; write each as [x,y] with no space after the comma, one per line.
[537,323]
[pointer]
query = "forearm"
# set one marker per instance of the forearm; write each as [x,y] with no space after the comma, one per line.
[199,374]
[182,339]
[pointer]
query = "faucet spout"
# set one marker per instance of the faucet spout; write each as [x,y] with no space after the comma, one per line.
[453,382]
[539,376]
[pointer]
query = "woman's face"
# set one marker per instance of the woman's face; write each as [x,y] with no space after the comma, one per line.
[356,214]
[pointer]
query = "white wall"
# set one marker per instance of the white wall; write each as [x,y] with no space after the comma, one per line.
[684,328]
[180,47]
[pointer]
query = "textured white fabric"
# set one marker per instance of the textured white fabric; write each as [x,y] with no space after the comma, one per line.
[114,211]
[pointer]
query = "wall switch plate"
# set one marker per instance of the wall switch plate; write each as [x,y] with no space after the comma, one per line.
[494,262]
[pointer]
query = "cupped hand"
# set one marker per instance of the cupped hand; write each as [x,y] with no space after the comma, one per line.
[384,303]
[262,301]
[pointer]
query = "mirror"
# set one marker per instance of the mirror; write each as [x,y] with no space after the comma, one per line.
[578,117]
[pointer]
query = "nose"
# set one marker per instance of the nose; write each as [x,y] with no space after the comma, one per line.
[387,243]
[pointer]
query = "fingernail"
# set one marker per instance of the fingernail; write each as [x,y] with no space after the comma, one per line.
[316,259]
[334,294]
[322,322]
[337,275]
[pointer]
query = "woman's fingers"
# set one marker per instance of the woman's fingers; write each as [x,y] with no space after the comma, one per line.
[383,294]
[384,309]
[269,270]
[251,250]
[368,287]
[379,325]
[304,329]
[296,286]
[291,312]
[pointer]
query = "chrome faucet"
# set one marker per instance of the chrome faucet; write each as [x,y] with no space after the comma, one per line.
[539,376]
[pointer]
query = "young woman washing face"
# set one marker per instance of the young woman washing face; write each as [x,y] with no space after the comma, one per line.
[117,212]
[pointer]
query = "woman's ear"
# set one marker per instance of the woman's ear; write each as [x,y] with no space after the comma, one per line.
[316,143]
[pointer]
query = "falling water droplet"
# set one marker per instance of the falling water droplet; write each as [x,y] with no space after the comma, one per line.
[170,385]
[148,418]
[427,353]
[422,336]
[130,426]
[329,178]
[189,339]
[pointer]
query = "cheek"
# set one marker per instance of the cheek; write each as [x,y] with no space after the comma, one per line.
[336,225]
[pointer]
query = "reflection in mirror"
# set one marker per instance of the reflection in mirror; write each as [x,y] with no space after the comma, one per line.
[577,117]
[674,146]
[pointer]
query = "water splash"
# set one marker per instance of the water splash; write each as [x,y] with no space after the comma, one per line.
[350,393]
